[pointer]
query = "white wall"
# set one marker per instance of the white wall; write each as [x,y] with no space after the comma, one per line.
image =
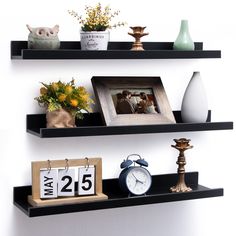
[212,22]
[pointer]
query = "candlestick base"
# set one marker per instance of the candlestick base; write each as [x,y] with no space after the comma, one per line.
[137,47]
[180,188]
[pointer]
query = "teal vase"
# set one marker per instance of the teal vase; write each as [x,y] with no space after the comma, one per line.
[184,41]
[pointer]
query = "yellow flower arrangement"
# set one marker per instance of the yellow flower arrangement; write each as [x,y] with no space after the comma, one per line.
[97,18]
[58,95]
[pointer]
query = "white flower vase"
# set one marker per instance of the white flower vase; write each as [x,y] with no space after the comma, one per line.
[94,40]
[194,107]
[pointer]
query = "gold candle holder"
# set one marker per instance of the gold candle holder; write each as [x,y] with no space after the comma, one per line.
[137,34]
[182,145]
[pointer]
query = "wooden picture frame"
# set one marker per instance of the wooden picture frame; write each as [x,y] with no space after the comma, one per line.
[106,86]
[36,166]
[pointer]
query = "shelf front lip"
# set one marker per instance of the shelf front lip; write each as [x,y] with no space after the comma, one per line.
[139,201]
[126,130]
[118,203]
[19,51]
[115,54]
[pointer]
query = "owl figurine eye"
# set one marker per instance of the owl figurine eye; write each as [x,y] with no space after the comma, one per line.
[43,37]
[40,32]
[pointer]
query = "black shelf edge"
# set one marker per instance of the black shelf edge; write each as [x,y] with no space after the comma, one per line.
[159,193]
[116,50]
[92,125]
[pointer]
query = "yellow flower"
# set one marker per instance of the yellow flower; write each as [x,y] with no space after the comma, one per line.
[68,89]
[43,91]
[74,102]
[85,97]
[55,86]
[81,89]
[62,97]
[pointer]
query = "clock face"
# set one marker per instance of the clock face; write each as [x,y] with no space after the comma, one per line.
[138,180]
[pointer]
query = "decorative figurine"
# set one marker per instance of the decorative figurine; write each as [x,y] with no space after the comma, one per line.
[43,38]
[137,34]
[182,145]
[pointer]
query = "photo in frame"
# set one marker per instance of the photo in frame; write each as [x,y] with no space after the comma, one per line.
[126,100]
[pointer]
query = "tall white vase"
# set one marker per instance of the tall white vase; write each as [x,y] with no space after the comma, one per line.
[194,107]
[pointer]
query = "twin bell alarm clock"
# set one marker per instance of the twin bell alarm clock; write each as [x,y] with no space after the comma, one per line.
[135,179]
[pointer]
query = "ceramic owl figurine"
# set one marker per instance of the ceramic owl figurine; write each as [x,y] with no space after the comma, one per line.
[43,38]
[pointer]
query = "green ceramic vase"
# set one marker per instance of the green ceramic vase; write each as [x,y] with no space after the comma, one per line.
[184,41]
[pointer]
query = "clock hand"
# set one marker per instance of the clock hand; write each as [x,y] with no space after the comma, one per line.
[137,180]
[134,176]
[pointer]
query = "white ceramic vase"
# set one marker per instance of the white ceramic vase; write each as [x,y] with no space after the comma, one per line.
[194,107]
[94,40]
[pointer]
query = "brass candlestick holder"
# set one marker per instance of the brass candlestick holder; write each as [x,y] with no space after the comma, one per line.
[182,145]
[137,34]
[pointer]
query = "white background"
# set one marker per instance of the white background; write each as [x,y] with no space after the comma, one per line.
[213,155]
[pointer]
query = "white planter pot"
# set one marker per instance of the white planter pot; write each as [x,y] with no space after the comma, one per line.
[94,40]
[194,105]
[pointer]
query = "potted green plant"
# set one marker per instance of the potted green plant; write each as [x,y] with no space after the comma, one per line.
[64,102]
[94,33]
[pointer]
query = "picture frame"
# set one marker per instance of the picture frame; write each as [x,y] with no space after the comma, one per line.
[110,92]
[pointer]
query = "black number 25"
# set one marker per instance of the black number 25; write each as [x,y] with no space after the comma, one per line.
[87,181]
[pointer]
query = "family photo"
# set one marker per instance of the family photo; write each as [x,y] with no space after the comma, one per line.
[134,101]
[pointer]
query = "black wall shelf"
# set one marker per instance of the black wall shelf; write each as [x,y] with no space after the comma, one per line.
[92,125]
[158,193]
[116,50]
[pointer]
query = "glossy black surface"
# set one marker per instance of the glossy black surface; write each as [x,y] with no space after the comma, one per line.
[158,193]
[92,125]
[116,50]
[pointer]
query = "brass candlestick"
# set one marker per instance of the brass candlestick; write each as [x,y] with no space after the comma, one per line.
[137,34]
[182,145]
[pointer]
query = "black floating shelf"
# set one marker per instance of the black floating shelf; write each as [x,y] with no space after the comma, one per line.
[158,193]
[92,125]
[116,50]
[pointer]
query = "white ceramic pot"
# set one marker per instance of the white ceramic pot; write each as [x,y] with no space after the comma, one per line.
[94,40]
[194,107]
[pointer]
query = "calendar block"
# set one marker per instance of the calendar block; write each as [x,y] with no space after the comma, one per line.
[89,189]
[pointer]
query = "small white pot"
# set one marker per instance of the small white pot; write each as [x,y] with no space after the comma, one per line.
[94,40]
